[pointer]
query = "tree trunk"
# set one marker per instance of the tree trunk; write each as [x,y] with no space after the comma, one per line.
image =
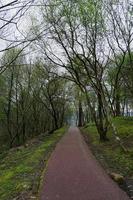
[101,125]
[80,115]
[17,114]
[102,134]
[118,112]
[9,106]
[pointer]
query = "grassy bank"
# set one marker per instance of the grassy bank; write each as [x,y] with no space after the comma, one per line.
[110,153]
[21,169]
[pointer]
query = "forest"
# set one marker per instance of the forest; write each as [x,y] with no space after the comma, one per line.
[65,63]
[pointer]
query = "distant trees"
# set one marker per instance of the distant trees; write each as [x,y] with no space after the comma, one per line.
[50,91]
[34,100]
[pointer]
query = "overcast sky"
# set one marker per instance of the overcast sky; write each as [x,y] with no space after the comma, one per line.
[18,29]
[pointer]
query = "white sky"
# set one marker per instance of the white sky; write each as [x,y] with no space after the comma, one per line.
[10,31]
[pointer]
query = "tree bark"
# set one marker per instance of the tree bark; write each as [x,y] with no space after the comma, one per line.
[101,125]
[80,115]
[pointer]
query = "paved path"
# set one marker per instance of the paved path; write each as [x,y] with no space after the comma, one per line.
[74,174]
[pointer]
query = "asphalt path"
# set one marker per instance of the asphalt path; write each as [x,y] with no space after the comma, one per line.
[74,174]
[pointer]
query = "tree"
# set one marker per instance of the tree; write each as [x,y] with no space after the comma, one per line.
[66,20]
[120,83]
[51,93]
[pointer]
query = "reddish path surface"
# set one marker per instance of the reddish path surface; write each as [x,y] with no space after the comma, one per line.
[74,174]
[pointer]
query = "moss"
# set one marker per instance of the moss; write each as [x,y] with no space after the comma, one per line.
[110,154]
[19,168]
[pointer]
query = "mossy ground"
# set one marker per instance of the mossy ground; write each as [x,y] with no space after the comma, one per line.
[21,168]
[110,154]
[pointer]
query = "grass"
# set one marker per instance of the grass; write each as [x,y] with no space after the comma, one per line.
[110,153]
[21,169]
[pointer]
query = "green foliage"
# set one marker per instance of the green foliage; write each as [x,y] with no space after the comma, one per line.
[89,11]
[122,64]
[110,154]
[2,97]
[18,168]
[32,99]
[125,126]
[12,57]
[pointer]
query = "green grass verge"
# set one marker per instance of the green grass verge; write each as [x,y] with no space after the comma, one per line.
[21,169]
[110,153]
